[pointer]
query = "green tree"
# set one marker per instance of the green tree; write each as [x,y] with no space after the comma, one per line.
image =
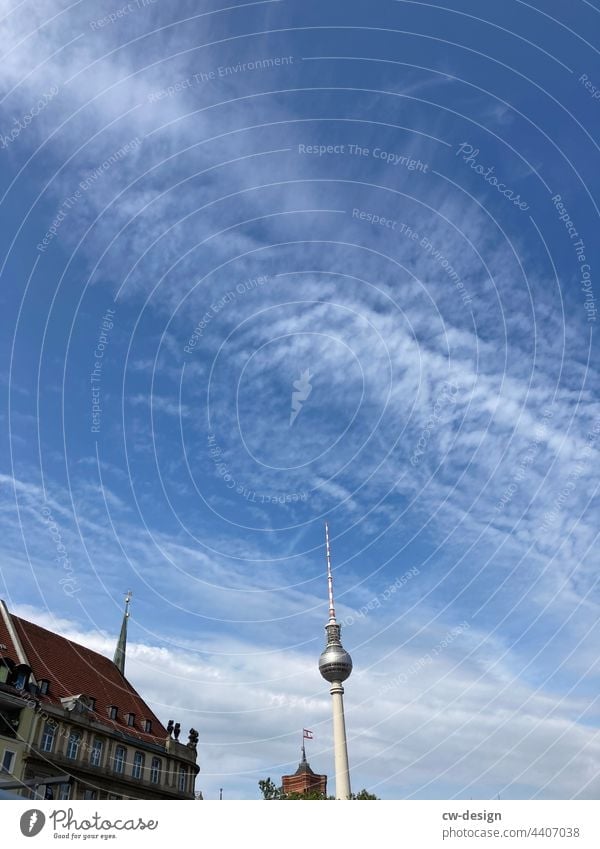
[364,794]
[269,790]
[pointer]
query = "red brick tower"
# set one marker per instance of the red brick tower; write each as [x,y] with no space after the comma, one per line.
[304,780]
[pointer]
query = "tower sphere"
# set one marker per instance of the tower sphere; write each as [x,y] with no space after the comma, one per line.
[335,664]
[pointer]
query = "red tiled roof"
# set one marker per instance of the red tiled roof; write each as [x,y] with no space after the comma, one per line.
[73,669]
[6,640]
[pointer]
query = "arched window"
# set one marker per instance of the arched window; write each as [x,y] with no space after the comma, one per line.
[138,765]
[182,779]
[155,771]
[73,745]
[48,736]
[119,761]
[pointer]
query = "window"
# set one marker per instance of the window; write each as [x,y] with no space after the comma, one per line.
[155,771]
[64,791]
[9,721]
[96,752]
[138,765]
[48,737]
[90,794]
[43,687]
[113,712]
[8,761]
[131,719]
[148,726]
[21,679]
[73,745]
[92,702]
[119,761]
[182,779]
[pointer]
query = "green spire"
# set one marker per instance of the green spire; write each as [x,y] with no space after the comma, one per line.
[119,658]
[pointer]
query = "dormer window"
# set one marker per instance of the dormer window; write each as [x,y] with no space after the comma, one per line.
[113,712]
[77,704]
[92,703]
[148,726]
[21,676]
[43,686]
[130,717]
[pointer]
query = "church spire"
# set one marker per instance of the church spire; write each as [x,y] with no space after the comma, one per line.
[119,658]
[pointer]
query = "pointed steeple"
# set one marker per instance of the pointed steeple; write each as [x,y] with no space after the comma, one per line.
[303,766]
[119,658]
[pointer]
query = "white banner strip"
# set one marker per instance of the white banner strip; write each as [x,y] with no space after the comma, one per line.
[418,824]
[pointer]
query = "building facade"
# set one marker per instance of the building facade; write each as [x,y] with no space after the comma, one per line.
[73,727]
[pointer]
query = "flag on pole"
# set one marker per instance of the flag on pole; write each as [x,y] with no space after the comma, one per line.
[306,734]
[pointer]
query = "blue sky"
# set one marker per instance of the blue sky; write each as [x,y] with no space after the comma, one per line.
[276,263]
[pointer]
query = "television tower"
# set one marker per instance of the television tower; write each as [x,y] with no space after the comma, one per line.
[335,665]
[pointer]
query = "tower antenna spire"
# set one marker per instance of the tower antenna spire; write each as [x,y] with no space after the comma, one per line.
[329,575]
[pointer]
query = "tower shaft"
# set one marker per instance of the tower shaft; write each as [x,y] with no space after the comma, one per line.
[342,768]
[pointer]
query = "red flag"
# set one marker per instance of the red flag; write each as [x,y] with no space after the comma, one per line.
[306,735]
